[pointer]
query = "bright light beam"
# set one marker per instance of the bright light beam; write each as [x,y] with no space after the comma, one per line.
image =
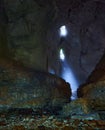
[62,55]
[63,31]
[68,75]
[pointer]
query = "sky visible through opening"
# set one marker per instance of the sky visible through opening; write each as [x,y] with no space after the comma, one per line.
[63,31]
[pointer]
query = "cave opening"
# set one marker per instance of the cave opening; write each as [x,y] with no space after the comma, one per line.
[66,71]
[63,31]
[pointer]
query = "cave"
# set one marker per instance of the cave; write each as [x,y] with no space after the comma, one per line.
[52,64]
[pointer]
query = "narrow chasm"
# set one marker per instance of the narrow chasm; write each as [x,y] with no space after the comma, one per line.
[52,64]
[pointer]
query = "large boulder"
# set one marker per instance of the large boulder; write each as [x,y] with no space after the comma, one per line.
[22,87]
[95,93]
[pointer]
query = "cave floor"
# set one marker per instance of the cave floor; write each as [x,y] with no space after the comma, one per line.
[27,120]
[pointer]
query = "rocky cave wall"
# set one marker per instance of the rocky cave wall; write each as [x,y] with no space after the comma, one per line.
[85,42]
[99,72]
[30,33]
[24,25]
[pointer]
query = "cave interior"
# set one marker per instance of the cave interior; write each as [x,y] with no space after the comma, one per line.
[52,54]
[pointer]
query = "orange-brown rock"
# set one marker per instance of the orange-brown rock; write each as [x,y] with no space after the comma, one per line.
[95,94]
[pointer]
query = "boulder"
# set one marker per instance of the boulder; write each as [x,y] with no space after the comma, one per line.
[22,87]
[95,93]
[80,109]
[76,107]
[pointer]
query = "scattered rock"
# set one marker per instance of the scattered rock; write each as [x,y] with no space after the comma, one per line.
[47,123]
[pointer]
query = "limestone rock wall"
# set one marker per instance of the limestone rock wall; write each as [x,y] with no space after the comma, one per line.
[26,26]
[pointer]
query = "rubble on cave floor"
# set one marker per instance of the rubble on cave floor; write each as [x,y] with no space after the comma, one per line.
[30,120]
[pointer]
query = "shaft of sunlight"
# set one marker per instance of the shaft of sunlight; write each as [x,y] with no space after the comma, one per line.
[62,55]
[69,77]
